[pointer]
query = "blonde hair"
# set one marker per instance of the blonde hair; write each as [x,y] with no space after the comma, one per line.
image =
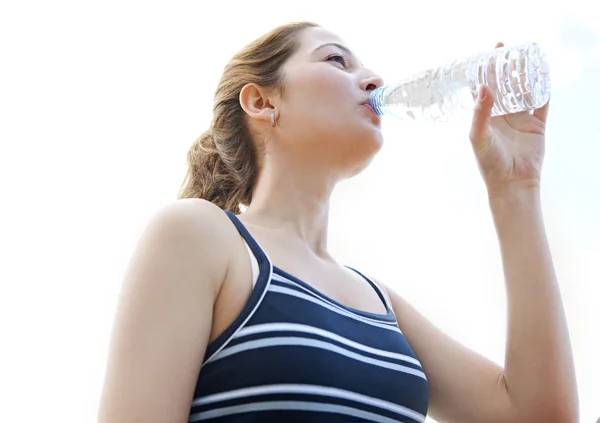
[222,162]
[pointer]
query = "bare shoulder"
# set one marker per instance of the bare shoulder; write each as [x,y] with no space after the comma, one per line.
[165,313]
[192,214]
[195,233]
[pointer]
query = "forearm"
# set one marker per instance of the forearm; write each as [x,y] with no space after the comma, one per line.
[539,371]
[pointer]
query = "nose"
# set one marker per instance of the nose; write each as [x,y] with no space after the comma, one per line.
[371,81]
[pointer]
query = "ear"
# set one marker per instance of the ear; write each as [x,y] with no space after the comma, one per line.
[257,102]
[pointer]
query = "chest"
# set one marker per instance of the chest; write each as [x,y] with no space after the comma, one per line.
[300,348]
[340,284]
[329,278]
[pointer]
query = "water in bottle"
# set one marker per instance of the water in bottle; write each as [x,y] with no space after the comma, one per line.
[518,78]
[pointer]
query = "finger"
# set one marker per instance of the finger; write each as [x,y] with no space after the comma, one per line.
[499,44]
[480,133]
[542,112]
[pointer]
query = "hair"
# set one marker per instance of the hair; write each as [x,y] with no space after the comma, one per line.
[222,162]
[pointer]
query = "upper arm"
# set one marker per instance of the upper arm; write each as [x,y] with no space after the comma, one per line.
[164,317]
[464,386]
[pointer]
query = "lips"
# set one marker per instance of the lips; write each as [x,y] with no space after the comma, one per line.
[368,106]
[373,113]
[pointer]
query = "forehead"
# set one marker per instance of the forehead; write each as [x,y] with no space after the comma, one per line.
[312,38]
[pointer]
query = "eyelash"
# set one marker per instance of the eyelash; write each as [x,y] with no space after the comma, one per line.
[344,61]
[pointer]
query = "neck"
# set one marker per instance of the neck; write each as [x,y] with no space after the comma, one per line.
[294,202]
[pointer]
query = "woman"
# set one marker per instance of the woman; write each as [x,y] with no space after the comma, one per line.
[227,318]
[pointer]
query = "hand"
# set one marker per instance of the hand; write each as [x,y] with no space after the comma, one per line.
[510,148]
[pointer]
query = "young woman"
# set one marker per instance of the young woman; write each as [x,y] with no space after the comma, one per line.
[245,317]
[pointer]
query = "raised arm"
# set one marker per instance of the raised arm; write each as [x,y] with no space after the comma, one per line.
[539,371]
[537,383]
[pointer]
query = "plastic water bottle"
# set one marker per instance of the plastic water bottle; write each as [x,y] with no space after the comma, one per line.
[518,78]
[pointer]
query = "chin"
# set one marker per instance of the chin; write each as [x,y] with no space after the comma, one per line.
[359,168]
[365,151]
[370,143]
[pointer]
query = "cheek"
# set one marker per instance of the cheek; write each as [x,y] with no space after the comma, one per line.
[326,90]
[323,105]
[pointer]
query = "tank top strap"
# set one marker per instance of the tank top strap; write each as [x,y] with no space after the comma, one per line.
[380,292]
[262,281]
[260,255]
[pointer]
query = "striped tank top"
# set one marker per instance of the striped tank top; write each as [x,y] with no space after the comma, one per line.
[296,355]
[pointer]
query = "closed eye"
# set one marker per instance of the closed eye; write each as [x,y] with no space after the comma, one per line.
[336,57]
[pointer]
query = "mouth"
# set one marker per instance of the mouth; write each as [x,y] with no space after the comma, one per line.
[368,106]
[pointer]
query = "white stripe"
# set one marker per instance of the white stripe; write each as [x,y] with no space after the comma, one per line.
[322,303]
[283,279]
[292,405]
[294,327]
[325,391]
[306,342]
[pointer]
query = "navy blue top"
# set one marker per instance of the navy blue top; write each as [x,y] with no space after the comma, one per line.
[296,355]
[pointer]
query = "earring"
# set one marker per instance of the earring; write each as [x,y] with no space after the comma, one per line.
[273,119]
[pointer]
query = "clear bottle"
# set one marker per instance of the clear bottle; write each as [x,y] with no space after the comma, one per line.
[517,76]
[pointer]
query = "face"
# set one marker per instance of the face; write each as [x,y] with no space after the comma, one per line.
[323,118]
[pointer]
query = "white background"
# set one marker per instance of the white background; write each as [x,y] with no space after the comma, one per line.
[99,103]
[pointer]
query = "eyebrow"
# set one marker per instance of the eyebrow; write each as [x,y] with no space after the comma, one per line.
[341,47]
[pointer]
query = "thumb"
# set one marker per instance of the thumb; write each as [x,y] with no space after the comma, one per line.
[480,134]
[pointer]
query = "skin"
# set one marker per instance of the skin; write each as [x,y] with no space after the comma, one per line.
[191,270]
